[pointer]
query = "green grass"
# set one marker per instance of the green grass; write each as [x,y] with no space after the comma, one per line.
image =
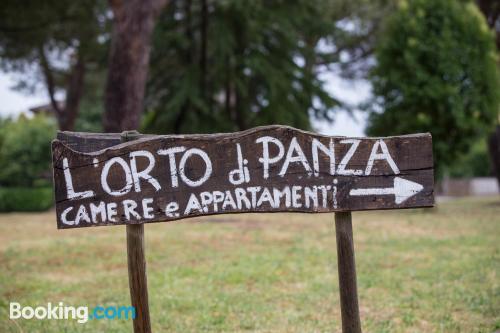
[434,270]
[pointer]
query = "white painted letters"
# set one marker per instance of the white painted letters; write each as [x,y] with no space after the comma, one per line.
[347,157]
[71,194]
[128,177]
[182,166]
[144,173]
[375,155]
[265,159]
[299,157]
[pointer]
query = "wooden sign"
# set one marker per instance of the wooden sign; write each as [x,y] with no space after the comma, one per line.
[111,179]
[266,169]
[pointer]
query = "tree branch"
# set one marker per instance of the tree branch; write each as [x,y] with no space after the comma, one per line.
[49,80]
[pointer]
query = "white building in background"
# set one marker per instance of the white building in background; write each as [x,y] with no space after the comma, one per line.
[468,187]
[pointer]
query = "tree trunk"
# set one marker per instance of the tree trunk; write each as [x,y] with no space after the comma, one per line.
[494,150]
[239,103]
[133,24]
[74,92]
[189,57]
[203,48]
[65,114]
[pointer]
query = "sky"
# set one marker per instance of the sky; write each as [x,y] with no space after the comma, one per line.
[351,92]
[13,103]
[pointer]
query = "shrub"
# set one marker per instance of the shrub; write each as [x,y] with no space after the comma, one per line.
[25,150]
[23,199]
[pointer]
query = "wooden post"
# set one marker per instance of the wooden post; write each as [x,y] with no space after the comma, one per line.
[347,273]
[137,278]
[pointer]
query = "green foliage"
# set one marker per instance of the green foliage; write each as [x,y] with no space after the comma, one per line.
[215,65]
[474,163]
[436,71]
[58,27]
[60,46]
[57,22]
[25,150]
[239,64]
[25,199]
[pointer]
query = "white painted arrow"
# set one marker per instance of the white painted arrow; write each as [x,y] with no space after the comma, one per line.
[403,189]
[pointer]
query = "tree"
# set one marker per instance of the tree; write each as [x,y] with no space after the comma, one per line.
[230,65]
[474,163]
[59,41]
[491,11]
[436,71]
[216,64]
[133,24]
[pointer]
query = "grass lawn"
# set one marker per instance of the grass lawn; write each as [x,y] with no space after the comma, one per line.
[431,270]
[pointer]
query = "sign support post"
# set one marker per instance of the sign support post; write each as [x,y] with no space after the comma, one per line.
[349,307]
[137,278]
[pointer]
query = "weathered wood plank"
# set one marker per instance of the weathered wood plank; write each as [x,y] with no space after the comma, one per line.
[346,262]
[90,142]
[266,169]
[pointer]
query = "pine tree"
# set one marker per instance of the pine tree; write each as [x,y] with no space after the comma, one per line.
[230,65]
[56,43]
